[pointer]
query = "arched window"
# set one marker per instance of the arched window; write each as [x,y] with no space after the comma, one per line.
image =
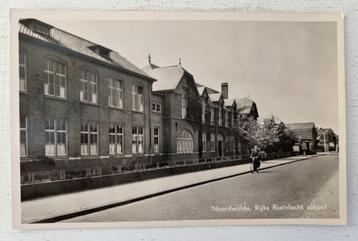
[185,142]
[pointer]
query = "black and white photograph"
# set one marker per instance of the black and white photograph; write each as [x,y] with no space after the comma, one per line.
[160,119]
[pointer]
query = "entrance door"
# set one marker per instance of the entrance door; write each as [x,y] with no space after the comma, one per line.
[220,148]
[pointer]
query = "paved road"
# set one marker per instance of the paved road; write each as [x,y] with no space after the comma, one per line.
[280,192]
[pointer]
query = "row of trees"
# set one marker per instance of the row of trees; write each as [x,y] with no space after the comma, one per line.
[271,135]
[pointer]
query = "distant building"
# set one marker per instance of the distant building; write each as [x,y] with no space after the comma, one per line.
[306,134]
[327,140]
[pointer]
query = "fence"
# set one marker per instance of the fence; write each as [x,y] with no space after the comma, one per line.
[60,175]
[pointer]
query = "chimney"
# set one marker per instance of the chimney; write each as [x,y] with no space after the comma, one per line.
[225,90]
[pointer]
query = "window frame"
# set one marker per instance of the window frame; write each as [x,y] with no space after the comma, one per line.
[212,116]
[24,129]
[136,136]
[154,138]
[54,132]
[137,98]
[25,67]
[156,107]
[184,107]
[87,81]
[212,142]
[116,134]
[88,134]
[203,137]
[113,90]
[185,142]
[57,78]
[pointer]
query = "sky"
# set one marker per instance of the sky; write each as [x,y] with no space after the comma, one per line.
[288,68]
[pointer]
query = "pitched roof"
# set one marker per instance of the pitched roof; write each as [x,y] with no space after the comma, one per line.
[167,77]
[210,90]
[201,90]
[244,105]
[77,44]
[215,97]
[229,102]
[297,126]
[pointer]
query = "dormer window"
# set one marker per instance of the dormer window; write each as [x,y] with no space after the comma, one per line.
[37,26]
[41,29]
[100,50]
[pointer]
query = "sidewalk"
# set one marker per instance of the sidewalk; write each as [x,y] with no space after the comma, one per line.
[80,203]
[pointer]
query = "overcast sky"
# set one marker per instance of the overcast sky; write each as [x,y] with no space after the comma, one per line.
[289,69]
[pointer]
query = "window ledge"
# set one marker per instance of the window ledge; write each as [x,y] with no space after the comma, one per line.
[139,112]
[115,108]
[89,103]
[56,97]
[90,156]
[116,155]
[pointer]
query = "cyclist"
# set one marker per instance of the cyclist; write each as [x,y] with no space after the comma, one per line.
[256,158]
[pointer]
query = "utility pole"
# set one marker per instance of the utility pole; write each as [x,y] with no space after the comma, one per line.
[324,141]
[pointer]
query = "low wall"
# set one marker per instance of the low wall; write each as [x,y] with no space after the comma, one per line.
[36,190]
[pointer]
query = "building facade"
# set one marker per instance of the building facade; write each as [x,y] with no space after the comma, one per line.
[85,107]
[306,136]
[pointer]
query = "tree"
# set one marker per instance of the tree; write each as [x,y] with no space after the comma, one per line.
[274,136]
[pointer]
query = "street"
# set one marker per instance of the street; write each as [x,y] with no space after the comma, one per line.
[303,189]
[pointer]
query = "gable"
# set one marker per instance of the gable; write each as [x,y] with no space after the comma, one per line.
[187,85]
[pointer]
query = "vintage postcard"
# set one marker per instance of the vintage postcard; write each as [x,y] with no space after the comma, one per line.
[144,119]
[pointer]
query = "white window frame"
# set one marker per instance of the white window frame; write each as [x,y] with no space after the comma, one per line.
[220,117]
[204,142]
[159,107]
[23,150]
[184,107]
[54,149]
[212,142]
[156,146]
[115,93]
[117,147]
[156,107]
[137,98]
[185,142]
[89,86]
[137,140]
[226,119]
[23,65]
[58,79]
[87,149]
[212,116]
[203,112]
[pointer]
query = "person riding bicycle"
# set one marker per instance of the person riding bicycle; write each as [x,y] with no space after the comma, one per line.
[256,158]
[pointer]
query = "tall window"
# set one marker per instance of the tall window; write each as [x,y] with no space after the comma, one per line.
[185,142]
[212,116]
[23,71]
[88,90]
[184,106]
[115,97]
[23,136]
[212,142]
[226,118]
[220,117]
[55,84]
[55,137]
[89,138]
[115,139]
[137,140]
[137,98]
[203,112]
[204,142]
[156,139]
